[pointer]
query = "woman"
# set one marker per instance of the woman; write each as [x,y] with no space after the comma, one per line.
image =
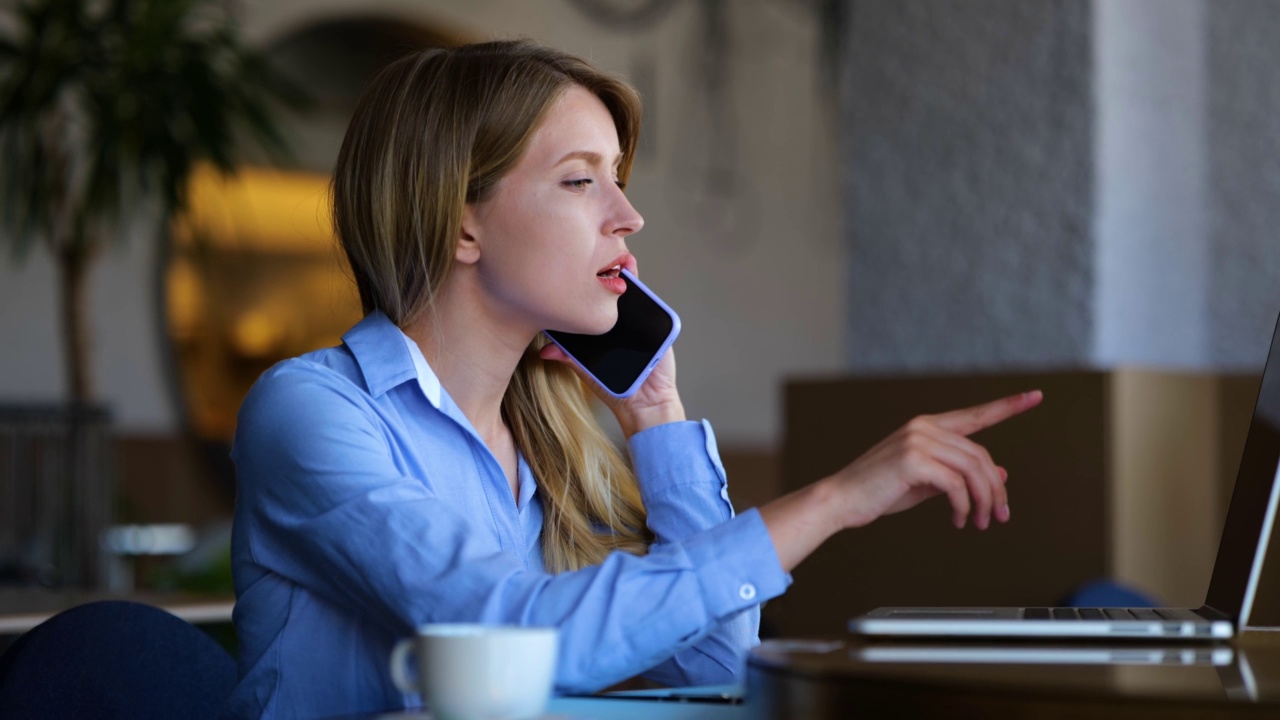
[443,464]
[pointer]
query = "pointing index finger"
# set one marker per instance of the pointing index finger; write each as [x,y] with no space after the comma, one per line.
[970,420]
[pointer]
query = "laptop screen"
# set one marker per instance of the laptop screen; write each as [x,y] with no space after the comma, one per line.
[1242,530]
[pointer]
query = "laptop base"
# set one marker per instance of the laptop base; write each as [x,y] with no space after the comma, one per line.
[1014,622]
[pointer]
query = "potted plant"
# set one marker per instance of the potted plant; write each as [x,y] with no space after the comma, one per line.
[106,106]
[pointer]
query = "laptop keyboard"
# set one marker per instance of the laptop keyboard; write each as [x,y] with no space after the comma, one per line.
[1066,613]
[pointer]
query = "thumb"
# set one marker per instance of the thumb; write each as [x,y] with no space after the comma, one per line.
[551,351]
[555,353]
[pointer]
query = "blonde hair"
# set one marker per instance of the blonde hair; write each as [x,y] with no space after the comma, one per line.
[432,132]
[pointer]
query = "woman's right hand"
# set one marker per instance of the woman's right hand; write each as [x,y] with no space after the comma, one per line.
[930,455]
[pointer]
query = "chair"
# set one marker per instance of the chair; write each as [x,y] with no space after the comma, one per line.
[115,659]
[1108,593]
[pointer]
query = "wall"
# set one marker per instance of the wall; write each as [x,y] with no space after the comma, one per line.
[1061,184]
[1243,183]
[127,368]
[965,145]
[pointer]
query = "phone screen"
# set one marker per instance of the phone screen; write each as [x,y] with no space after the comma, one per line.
[621,358]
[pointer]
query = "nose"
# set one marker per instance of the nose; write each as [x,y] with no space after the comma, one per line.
[624,220]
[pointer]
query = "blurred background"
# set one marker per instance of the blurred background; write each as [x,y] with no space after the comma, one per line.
[862,209]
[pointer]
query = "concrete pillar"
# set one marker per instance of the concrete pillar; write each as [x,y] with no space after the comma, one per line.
[1151,251]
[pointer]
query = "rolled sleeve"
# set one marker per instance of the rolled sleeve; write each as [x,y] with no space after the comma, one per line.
[738,567]
[686,495]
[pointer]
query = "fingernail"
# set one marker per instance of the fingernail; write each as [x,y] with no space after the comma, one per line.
[1005,508]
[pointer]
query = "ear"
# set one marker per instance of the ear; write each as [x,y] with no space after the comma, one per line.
[468,250]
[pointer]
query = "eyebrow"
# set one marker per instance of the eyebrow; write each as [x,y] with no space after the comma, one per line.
[593,158]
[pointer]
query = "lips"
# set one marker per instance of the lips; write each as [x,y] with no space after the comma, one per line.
[610,275]
[625,261]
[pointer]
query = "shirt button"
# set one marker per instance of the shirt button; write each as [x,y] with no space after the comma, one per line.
[747,591]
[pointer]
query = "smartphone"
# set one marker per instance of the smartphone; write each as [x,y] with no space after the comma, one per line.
[622,358]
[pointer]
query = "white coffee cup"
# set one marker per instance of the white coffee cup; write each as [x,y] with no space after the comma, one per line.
[479,672]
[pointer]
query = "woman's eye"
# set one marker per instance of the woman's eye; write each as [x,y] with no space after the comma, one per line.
[578,184]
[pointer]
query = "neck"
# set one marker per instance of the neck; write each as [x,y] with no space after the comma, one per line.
[472,350]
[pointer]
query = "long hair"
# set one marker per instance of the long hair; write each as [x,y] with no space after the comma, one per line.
[437,130]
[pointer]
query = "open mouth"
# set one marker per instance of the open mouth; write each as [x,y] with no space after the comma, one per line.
[610,272]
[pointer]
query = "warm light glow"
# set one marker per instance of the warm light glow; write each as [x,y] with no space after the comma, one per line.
[258,209]
[255,334]
[256,277]
[186,299]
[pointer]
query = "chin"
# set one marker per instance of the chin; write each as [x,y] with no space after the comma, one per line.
[598,325]
[597,328]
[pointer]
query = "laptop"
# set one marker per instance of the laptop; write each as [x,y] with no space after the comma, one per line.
[1228,603]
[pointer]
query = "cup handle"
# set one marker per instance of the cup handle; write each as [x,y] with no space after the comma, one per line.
[399,673]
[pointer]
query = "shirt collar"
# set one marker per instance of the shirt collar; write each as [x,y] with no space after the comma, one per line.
[427,379]
[387,357]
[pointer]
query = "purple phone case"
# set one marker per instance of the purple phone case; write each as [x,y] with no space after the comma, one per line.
[653,361]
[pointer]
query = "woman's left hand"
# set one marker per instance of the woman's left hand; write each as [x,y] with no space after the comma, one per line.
[656,402]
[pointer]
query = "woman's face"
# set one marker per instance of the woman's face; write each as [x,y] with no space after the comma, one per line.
[552,235]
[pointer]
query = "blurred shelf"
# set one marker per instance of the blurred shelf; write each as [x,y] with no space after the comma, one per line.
[22,608]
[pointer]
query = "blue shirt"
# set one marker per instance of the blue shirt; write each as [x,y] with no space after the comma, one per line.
[368,505]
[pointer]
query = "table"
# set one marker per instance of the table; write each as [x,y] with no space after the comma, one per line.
[23,608]
[851,678]
[621,706]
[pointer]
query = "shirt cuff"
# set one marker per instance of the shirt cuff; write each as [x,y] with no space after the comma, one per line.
[736,565]
[679,453]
